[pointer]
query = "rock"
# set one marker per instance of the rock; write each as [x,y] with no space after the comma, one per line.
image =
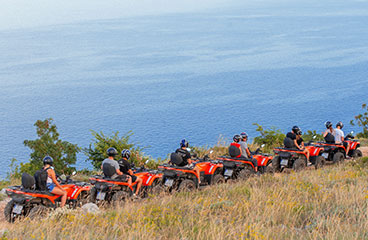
[90,208]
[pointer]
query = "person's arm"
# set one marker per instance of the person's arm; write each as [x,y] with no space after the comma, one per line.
[52,174]
[297,145]
[118,172]
[130,172]
[248,152]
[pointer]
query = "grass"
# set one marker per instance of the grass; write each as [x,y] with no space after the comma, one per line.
[330,203]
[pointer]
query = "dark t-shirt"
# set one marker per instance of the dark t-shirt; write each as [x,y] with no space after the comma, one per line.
[291,135]
[185,155]
[124,166]
[299,141]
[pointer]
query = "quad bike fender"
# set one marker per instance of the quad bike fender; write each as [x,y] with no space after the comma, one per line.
[150,179]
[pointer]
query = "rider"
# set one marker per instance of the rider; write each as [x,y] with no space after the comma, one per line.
[291,140]
[111,153]
[329,133]
[126,168]
[185,154]
[236,139]
[245,150]
[339,136]
[52,184]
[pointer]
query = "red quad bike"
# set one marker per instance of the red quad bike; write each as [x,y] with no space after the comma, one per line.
[354,145]
[264,160]
[26,201]
[177,178]
[110,190]
[288,158]
[151,180]
[236,167]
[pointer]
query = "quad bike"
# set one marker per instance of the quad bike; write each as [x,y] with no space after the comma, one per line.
[151,180]
[353,146]
[176,178]
[26,201]
[264,161]
[288,158]
[110,190]
[236,167]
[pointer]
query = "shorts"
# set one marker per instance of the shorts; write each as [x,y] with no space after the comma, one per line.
[50,186]
[345,144]
[134,178]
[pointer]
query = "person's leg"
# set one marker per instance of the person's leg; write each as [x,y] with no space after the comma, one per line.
[62,193]
[307,152]
[199,174]
[139,184]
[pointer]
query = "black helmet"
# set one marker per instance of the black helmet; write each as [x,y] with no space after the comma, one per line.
[112,152]
[125,153]
[328,124]
[48,160]
[339,124]
[236,138]
[295,129]
[184,143]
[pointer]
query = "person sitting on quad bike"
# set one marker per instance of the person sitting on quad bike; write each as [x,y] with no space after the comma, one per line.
[51,183]
[329,134]
[340,138]
[293,139]
[126,168]
[245,150]
[111,153]
[236,143]
[185,154]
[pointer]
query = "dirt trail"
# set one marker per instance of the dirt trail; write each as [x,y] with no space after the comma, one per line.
[364,151]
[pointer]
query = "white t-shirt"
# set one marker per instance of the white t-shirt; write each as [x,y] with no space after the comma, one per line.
[338,134]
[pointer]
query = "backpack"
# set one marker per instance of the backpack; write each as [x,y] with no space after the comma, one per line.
[177,159]
[40,177]
[289,143]
[330,138]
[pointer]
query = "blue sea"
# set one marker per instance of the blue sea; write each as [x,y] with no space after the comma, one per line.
[190,75]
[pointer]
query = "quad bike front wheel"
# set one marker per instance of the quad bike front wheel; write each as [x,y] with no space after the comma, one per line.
[338,157]
[8,212]
[320,161]
[245,173]
[93,195]
[299,164]
[357,154]
[218,179]
[187,185]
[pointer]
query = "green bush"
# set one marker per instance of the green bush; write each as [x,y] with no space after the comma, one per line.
[308,136]
[362,121]
[47,143]
[272,137]
[96,152]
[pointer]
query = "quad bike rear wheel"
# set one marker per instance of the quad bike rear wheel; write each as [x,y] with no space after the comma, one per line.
[299,164]
[187,185]
[218,179]
[338,157]
[157,187]
[38,212]
[276,164]
[120,196]
[8,211]
[319,162]
[357,154]
[93,195]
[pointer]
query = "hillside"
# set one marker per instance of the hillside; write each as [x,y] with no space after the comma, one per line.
[330,203]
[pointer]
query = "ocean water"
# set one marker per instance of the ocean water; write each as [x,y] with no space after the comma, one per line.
[193,75]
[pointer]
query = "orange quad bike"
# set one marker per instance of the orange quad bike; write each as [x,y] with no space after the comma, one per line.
[110,190]
[236,167]
[26,201]
[176,178]
[151,181]
[353,146]
[264,160]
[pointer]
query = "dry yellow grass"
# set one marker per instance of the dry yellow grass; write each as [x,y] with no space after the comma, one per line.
[330,203]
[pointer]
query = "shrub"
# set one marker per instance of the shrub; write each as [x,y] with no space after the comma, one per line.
[308,136]
[47,143]
[270,137]
[362,121]
[96,152]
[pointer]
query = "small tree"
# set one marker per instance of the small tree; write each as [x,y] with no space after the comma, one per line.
[362,121]
[96,152]
[270,137]
[48,143]
[308,136]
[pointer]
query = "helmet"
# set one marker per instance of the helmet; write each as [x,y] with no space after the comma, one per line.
[244,135]
[299,132]
[328,124]
[184,143]
[125,153]
[112,152]
[339,124]
[295,129]
[236,138]
[48,160]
